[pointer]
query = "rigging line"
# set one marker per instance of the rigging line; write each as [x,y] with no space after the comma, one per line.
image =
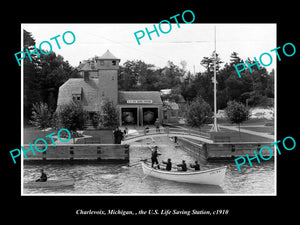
[128,46]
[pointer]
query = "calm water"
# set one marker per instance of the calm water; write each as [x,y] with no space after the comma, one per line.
[121,179]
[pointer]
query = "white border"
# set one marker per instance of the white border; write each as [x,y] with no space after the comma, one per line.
[22,112]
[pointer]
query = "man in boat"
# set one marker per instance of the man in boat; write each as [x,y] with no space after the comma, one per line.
[168,164]
[183,166]
[154,156]
[43,177]
[196,166]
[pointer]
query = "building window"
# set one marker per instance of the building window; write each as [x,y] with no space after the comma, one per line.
[114,63]
[76,98]
[101,63]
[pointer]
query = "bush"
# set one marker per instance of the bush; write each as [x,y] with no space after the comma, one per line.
[95,120]
[41,115]
[198,113]
[72,116]
[237,112]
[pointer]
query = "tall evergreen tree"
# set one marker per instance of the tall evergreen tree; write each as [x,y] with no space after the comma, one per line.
[110,116]
[31,85]
[43,76]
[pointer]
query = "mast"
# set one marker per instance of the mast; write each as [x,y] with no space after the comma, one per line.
[215,127]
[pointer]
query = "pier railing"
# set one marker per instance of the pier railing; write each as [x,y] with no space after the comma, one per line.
[166,130]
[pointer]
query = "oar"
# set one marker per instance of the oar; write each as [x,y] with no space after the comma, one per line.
[134,164]
[147,175]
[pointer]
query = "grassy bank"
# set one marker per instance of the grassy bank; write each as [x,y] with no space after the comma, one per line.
[30,134]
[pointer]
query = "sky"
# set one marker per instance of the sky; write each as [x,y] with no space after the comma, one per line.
[190,42]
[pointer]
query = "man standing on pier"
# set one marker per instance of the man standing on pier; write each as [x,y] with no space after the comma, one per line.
[118,135]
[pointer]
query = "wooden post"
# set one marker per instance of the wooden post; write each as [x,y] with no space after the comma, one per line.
[99,153]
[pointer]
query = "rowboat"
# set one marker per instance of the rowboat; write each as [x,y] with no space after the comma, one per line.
[50,184]
[213,176]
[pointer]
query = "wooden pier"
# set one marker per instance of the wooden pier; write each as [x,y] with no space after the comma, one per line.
[79,152]
[205,152]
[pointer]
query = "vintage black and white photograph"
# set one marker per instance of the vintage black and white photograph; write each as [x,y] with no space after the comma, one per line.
[170,108]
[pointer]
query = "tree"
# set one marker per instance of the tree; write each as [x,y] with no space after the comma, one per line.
[174,96]
[31,84]
[136,75]
[208,62]
[43,76]
[126,80]
[270,85]
[198,113]
[72,116]
[188,89]
[237,112]
[235,59]
[41,115]
[110,117]
[234,88]
[53,73]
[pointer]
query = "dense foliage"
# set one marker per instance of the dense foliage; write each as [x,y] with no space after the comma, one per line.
[253,89]
[198,113]
[41,115]
[72,116]
[110,117]
[43,76]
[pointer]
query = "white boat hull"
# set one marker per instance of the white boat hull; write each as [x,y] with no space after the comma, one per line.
[212,176]
[50,184]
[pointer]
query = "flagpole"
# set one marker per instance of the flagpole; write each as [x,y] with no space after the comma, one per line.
[215,127]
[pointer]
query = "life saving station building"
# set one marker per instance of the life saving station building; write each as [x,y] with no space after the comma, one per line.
[100,82]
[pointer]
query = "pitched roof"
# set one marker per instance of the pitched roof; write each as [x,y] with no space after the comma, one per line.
[77,91]
[90,64]
[87,89]
[108,55]
[140,96]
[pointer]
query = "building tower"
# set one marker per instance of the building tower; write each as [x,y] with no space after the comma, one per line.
[108,66]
